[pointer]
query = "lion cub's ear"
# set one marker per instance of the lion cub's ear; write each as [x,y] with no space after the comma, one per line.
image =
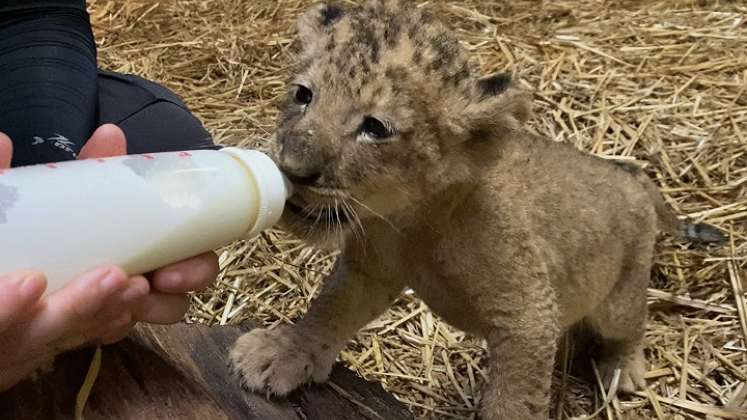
[317,21]
[495,107]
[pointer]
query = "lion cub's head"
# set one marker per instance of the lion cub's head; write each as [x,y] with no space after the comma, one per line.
[383,112]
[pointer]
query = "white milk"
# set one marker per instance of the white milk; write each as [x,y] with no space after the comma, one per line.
[140,212]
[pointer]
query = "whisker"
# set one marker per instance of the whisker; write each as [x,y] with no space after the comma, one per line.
[328,220]
[309,210]
[338,225]
[389,222]
[349,213]
[353,215]
[318,216]
[353,227]
[341,220]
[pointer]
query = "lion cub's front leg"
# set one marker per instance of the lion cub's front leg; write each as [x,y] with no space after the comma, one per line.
[279,361]
[522,351]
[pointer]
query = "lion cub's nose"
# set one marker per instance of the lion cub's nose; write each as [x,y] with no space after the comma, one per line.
[302,176]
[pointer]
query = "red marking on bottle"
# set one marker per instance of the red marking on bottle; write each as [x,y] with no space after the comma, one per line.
[184,154]
[149,157]
[100,160]
[2,171]
[51,166]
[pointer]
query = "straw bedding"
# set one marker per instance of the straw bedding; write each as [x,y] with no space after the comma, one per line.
[663,83]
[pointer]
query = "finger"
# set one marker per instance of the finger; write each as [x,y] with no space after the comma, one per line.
[189,275]
[161,308]
[138,288]
[117,335]
[18,293]
[72,308]
[108,140]
[92,335]
[14,374]
[132,297]
[114,330]
[114,317]
[6,151]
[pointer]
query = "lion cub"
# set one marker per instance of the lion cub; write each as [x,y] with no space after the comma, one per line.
[421,172]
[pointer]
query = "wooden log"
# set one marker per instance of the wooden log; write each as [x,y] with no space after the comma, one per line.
[181,372]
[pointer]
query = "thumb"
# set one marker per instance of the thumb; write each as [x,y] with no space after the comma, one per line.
[108,140]
[6,151]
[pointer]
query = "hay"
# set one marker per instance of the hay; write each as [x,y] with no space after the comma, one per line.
[660,82]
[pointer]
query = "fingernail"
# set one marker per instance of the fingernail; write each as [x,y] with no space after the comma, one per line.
[96,278]
[121,321]
[112,281]
[30,286]
[171,279]
[133,293]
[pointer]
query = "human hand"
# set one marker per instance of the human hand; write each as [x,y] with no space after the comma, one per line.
[167,301]
[98,306]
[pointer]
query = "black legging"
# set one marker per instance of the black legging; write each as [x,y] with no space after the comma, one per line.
[52,97]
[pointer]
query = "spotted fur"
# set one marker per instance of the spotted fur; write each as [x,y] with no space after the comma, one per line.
[419,169]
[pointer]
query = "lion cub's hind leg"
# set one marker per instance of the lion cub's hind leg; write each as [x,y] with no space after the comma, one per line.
[619,324]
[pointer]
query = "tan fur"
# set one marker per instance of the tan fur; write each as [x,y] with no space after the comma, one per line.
[505,235]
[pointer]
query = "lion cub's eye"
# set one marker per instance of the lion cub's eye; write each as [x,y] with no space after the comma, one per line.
[373,129]
[304,95]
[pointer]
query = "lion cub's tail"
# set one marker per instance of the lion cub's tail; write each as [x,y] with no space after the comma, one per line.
[668,222]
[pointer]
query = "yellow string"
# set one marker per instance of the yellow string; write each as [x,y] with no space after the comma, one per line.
[85,389]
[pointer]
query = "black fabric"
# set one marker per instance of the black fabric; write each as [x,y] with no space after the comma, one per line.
[52,97]
[48,90]
[153,118]
[12,6]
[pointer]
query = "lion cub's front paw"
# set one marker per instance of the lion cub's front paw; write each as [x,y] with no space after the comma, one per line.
[279,361]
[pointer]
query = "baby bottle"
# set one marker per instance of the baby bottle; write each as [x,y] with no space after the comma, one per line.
[140,212]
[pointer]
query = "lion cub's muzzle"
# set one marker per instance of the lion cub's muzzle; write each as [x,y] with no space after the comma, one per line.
[319,206]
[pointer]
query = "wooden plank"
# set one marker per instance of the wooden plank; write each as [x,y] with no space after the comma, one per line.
[181,372]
